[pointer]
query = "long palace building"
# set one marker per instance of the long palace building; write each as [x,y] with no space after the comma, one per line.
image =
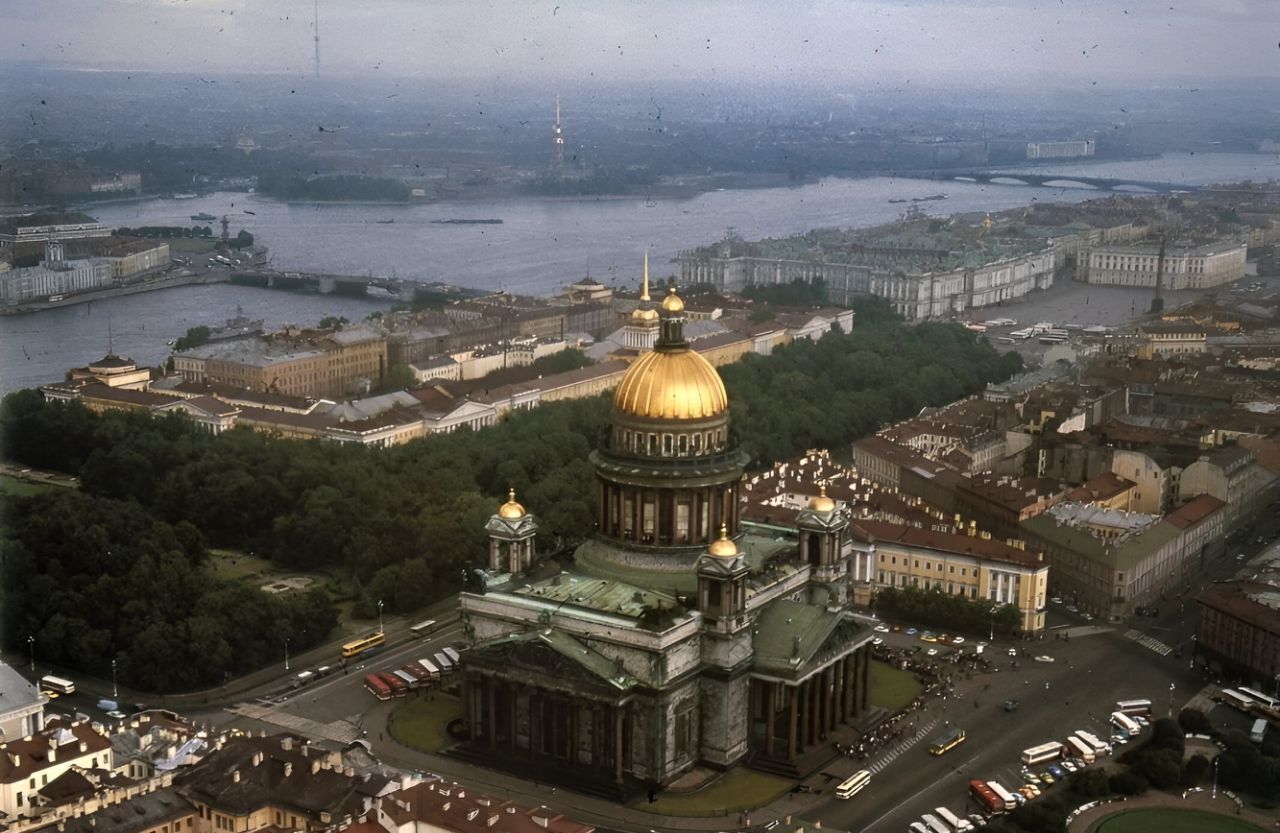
[674,640]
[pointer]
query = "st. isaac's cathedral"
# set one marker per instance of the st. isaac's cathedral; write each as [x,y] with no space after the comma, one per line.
[676,639]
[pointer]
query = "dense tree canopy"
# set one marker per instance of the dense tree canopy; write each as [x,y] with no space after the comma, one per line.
[401,524]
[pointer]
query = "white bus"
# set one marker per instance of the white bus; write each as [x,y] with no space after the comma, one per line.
[1259,697]
[1125,724]
[423,628]
[1236,699]
[1050,751]
[57,685]
[933,824]
[1259,730]
[1099,748]
[431,668]
[1010,803]
[1132,707]
[1080,749]
[853,784]
[957,824]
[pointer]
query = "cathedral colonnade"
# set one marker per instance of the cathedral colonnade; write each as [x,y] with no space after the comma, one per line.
[789,717]
[527,722]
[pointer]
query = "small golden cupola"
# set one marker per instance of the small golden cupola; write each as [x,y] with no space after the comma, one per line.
[820,502]
[673,302]
[511,510]
[723,547]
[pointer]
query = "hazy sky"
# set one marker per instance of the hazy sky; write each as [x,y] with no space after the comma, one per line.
[836,42]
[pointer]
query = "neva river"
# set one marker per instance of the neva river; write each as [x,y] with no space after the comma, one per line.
[541,245]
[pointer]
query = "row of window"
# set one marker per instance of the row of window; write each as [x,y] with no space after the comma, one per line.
[893,559]
[907,580]
[642,442]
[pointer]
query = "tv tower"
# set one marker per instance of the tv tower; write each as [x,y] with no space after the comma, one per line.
[557,136]
[315,34]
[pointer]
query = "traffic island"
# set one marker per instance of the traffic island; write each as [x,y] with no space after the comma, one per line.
[422,722]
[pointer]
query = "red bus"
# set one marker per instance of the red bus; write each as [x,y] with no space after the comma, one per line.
[397,685]
[986,796]
[377,687]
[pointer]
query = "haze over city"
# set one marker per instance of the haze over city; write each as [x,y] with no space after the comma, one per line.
[639,417]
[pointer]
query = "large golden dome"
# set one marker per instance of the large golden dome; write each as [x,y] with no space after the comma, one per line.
[511,510]
[671,384]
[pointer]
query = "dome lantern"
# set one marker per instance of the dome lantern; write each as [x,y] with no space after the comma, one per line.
[511,510]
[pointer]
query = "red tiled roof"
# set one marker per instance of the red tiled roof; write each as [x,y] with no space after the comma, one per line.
[1194,511]
[453,807]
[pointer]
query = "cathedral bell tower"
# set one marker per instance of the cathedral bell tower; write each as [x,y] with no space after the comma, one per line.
[511,537]
[823,529]
[726,650]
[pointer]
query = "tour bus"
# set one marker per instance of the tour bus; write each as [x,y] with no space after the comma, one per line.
[1132,707]
[1005,340]
[1259,730]
[364,644]
[986,796]
[1099,748]
[1010,803]
[398,686]
[57,685]
[410,679]
[443,661]
[853,784]
[946,742]
[1235,698]
[1125,724]
[1050,751]
[957,824]
[452,654]
[1259,697]
[377,687]
[1080,749]
[431,668]
[933,825]
[423,628]
[1020,335]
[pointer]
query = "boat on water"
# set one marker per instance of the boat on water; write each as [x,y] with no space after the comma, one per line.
[204,217]
[930,197]
[385,222]
[184,196]
[463,222]
[897,200]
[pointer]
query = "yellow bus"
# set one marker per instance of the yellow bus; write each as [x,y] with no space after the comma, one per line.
[363,645]
[945,742]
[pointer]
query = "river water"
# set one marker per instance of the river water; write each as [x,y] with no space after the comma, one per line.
[541,245]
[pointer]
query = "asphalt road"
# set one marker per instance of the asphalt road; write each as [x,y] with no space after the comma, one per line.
[1076,691]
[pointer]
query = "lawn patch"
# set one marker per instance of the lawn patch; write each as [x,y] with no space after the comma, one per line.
[892,688]
[1174,821]
[737,790]
[420,723]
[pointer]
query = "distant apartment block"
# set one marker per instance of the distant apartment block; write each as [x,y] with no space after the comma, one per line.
[1239,630]
[1060,150]
[1199,267]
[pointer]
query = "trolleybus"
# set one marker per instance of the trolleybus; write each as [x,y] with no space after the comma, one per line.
[364,644]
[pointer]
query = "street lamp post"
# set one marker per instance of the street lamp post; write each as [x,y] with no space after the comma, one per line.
[1171,687]
[1191,663]
[115,691]
[380,616]
[31,642]
[286,653]
[991,637]
[1214,794]
[1277,694]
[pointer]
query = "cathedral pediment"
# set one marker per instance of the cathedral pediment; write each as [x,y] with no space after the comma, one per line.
[552,659]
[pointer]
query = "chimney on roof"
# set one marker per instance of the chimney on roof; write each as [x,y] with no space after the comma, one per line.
[315,766]
[235,776]
[973,529]
[286,743]
[256,759]
[288,768]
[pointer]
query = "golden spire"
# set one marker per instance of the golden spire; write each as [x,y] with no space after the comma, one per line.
[644,290]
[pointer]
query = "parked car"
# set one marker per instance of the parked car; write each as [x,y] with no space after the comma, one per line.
[1011,705]
[928,636]
[1057,771]
[882,628]
[957,640]
[932,652]
[911,631]
[877,641]
[1047,779]
[1044,658]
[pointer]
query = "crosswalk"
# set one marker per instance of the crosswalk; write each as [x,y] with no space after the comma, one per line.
[1148,642]
[342,731]
[903,746]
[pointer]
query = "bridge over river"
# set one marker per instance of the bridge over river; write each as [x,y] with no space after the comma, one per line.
[1048,180]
